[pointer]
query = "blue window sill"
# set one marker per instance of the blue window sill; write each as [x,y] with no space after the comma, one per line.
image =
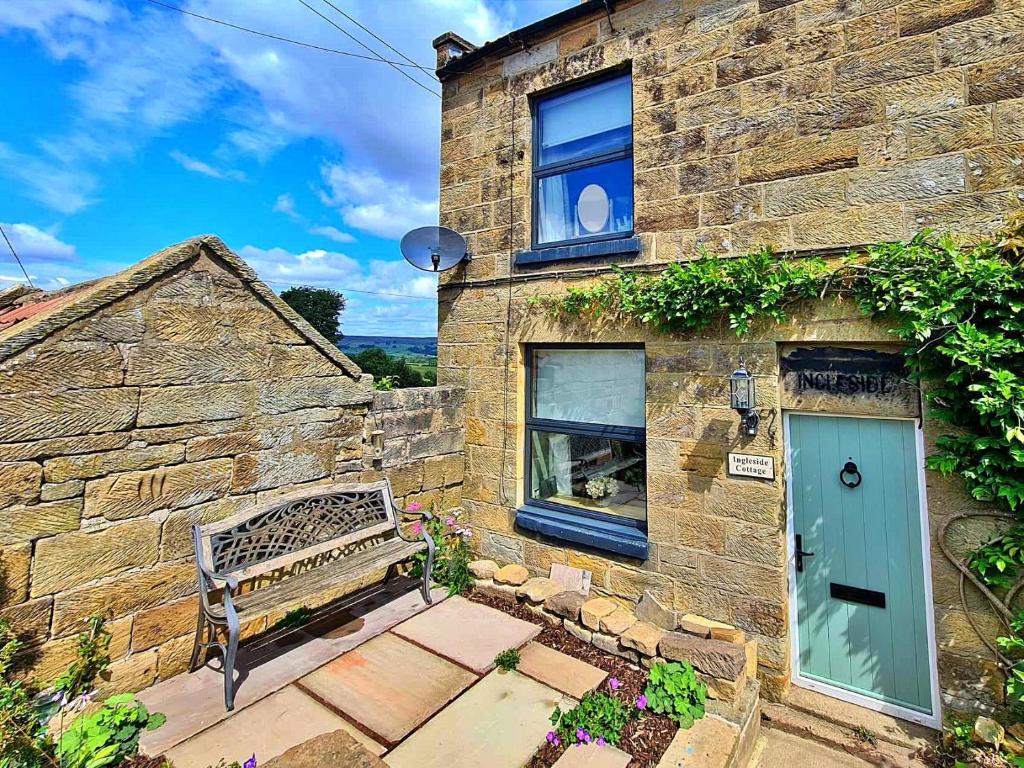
[626,246]
[599,534]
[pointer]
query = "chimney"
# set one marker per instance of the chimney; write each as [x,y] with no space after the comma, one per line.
[450,46]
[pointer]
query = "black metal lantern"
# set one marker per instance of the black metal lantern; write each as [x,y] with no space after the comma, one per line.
[743,398]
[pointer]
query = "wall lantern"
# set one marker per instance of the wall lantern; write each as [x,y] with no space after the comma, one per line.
[743,398]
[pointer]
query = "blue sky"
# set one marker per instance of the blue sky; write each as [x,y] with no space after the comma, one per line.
[128,127]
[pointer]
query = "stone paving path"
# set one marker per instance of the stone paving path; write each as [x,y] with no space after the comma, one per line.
[498,723]
[388,685]
[419,687]
[468,633]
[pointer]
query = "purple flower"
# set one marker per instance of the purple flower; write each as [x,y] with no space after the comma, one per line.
[600,741]
[450,521]
[250,763]
[553,739]
[614,683]
[641,702]
[582,736]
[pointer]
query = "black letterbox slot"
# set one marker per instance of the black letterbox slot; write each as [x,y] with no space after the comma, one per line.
[857,595]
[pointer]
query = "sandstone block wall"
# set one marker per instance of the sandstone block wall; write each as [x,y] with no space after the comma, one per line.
[801,124]
[795,123]
[186,401]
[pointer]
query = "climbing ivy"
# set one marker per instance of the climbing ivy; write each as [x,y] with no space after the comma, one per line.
[957,303]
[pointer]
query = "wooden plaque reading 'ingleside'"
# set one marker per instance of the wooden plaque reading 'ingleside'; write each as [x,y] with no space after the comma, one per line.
[853,380]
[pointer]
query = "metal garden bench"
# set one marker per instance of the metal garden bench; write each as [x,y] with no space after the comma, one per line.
[290,549]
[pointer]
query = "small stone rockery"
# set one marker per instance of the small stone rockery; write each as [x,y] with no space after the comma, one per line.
[646,633]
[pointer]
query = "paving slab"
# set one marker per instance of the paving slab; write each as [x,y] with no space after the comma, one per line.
[498,723]
[559,671]
[388,685]
[468,633]
[784,750]
[593,756]
[193,702]
[266,729]
[332,749]
[708,744]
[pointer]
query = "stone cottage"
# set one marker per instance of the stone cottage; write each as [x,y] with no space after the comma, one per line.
[180,390]
[637,132]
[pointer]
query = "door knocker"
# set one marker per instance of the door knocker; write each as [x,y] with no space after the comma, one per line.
[850,468]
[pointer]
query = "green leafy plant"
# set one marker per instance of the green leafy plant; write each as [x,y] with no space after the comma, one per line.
[384,383]
[865,734]
[507,660]
[598,718]
[674,690]
[108,735]
[295,618]
[24,741]
[451,550]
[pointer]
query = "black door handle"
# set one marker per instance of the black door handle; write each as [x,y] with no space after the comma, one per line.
[800,554]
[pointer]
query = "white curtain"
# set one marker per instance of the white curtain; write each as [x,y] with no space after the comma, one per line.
[554,210]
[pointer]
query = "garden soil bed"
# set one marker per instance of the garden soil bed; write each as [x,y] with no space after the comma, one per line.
[645,739]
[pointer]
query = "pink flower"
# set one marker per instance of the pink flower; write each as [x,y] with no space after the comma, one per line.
[614,683]
[450,521]
[414,507]
[417,528]
[641,702]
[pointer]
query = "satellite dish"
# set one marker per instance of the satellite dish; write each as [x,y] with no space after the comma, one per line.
[433,249]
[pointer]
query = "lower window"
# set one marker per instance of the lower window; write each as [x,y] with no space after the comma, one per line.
[596,474]
[586,440]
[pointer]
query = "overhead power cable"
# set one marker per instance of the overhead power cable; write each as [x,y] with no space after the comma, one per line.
[380,39]
[348,34]
[14,253]
[279,38]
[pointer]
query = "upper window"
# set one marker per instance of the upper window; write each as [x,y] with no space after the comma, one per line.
[586,432]
[583,164]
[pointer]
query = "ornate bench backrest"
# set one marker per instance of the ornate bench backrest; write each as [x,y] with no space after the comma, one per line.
[292,528]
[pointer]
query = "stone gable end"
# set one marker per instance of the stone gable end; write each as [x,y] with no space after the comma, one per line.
[188,399]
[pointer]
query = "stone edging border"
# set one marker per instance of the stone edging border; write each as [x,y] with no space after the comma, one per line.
[722,656]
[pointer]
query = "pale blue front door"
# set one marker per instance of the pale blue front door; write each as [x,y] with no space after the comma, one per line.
[861,607]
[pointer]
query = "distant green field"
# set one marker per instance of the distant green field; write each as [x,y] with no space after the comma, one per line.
[412,349]
[419,352]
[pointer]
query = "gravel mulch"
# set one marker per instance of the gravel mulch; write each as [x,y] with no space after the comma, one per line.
[141,761]
[645,739]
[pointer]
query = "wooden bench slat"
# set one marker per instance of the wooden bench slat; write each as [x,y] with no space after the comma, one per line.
[287,593]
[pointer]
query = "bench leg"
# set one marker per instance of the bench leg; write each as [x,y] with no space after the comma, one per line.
[229,668]
[200,626]
[428,568]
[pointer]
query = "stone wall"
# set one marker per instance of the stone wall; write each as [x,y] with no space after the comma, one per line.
[187,400]
[424,434]
[804,125]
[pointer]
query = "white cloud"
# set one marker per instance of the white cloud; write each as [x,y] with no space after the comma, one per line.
[32,243]
[332,233]
[384,297]
[372,203]
[61,187]
[194,165]
[286,204]
[51,262]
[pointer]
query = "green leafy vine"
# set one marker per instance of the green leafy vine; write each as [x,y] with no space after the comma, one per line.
[958,305]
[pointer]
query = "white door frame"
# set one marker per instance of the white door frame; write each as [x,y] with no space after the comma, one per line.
[935,719]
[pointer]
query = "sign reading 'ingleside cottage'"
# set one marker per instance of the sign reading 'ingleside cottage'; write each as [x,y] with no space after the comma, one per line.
[850,380]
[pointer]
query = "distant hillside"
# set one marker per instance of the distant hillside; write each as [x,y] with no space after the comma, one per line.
[408,347]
